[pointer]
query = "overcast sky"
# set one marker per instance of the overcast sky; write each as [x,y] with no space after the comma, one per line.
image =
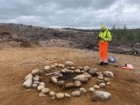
[71,13]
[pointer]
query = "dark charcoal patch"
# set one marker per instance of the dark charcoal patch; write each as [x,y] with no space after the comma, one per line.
[68,76]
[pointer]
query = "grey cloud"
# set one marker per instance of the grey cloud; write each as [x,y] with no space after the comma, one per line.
[70,13]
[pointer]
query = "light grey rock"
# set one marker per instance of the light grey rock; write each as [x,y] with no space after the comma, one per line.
[91,89]
[64,70]
[61,65]
[67,95]
[83,90]
[76,93]
[42,83]
[99,74]
[45,90]
[108,83]
[69,85]
[69,63]
[52,98]
[35,85]
[52,94]
[77,71]
[102,85]
[100,81]
[36,78]
[81,68]
[106,79]
[109,74]
[36,82]
[77,84]
[56,64]
[100,77]
[96,86]
[86,68]
[54,79]
[84,80]
[60,95]
[72,68]
[100,95]
[61,83]
[40,87]
[41,94]
[47,68]
[28,83]
[85,75]
[28,76]
[35,72]
[92,71]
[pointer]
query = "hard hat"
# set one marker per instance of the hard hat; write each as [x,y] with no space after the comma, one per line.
[111,59]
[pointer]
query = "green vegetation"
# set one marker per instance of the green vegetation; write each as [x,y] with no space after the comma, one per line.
[126,35]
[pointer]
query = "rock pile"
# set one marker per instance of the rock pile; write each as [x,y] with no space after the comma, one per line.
[80,75]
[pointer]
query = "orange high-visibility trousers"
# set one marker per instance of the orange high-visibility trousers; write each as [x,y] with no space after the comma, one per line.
[103,51]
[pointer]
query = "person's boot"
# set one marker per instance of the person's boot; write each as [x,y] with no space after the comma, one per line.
[106,63]
[101,63]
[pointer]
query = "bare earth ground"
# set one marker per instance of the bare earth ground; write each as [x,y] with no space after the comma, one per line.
[16,63]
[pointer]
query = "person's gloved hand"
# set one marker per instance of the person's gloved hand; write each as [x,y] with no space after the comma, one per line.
[99,38]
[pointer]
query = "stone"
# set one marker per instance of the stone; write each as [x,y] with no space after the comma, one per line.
[41,94]
[69,85]
[72,68]
[42,83]
[108,83]
[61,65]
[96,86]
[100,96]
[102,85]
[77,84]
[36,82]
[106,79]
[100,77]
[54,79]
[99,74]
[100,81]
[67,95]
[36,78]
[61,83]
[69,63]
[77,71]
[76,93]
[35,72]
[52,94]
[52,98]
[84,80]
[85,75]
[53,66]
[56,64]
[64,70]
[109,74]
[28,83]
[47,68]
[83,90]
[81,68]
[45,90]
[91,89]
[35,85]
[92,71]
[40,87]
[28,76]
[60,95]
[86,68]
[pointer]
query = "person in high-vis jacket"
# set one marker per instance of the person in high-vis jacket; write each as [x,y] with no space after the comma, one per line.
[104,37]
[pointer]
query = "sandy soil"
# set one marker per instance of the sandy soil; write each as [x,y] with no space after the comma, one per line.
[16,63]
